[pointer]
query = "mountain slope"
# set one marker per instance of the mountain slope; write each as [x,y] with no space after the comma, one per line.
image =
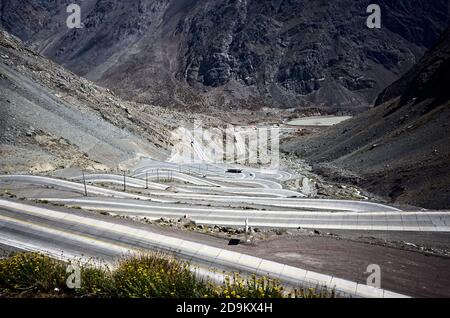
[401,148]
[248,53]
[52,119]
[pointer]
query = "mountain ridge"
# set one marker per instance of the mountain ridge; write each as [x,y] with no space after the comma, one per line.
[399,149]
[202,55]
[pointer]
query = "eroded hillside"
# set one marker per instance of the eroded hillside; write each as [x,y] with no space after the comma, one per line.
[53,119]
[401,148]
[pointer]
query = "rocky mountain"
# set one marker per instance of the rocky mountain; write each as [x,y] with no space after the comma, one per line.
[51,119]
[234,53]
[400,148]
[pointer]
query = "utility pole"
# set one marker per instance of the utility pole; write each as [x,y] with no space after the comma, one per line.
[85,187]
[146,180]
[124,182]
[157,174]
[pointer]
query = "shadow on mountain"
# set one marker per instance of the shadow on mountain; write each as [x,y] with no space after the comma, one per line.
[401,147]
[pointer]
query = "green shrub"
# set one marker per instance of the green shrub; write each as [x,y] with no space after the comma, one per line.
[31,272]
[253,287]
[143,276]
[156,276]
[96,282]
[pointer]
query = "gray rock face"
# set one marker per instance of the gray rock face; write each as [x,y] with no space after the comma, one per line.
[243,53]
[400,148]
[51,119]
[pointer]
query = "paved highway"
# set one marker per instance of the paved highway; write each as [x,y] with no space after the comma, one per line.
[207,194]
[167,196]
[383,221]
[82,235]
[200,185]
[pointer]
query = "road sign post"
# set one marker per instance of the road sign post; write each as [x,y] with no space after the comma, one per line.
[246,230]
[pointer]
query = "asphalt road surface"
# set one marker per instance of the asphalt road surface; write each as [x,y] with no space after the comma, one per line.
[205,193]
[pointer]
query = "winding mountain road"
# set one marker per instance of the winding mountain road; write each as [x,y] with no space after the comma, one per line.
[210,196]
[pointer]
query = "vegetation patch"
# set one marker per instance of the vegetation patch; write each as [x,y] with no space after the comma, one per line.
[143,276]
